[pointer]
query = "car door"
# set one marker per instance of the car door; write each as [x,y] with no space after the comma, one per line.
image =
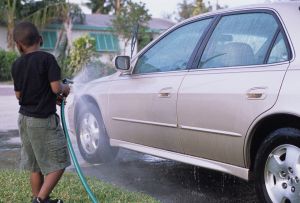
[142,105]
[236,78]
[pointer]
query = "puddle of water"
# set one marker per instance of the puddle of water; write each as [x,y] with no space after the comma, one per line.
[9,149]
[14,140]
[152,159]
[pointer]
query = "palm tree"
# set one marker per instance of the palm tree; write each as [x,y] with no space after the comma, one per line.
[66,14]
[41,15]
[105,6]
[99,6]
[10,16]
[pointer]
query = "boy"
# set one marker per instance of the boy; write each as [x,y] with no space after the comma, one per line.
[36,76]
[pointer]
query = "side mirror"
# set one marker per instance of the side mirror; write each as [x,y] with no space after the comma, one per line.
[122,62]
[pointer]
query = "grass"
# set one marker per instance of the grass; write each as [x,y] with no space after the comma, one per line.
[15,188]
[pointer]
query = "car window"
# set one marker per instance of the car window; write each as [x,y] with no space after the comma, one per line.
[238,40]
[279,51]
[173,51]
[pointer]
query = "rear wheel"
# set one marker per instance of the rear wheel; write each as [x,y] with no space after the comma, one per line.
[277,167]
[92,139]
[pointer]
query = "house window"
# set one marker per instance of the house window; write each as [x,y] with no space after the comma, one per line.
[49,39]
[106,42]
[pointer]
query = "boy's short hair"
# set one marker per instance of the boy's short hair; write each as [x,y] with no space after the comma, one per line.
[26,33]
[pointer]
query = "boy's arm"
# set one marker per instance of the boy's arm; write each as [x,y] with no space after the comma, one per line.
[18,94]
[54,77]
[57,88]
[17,86]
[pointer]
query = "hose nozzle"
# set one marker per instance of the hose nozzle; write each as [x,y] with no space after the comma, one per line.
[67,81]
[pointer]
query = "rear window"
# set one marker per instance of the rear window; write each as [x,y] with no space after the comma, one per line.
[239,40]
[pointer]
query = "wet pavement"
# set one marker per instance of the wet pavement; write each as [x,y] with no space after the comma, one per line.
[167,181]
[171,181]
[9,149]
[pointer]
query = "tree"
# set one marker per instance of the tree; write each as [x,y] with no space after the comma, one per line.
[200,7]
[99,6]
[218,6]
[187,10]
[40,13]
[10,16]
[106,6]
[81,52]
[130,15]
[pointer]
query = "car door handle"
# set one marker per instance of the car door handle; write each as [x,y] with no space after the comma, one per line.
[257,93]
[165,92]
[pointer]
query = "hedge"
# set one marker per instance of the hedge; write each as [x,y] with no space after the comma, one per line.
[6,60]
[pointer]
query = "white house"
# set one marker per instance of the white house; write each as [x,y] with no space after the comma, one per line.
[98,26]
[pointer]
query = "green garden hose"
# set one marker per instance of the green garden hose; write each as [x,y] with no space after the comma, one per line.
[73,156]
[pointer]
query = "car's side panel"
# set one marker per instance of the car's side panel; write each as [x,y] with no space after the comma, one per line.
[142,109]
[197,161]
[216,106]
[289,97]
[287,104]
[288,13]
[96,91]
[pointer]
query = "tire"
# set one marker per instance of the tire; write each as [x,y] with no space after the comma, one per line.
[91,135]
[277,167]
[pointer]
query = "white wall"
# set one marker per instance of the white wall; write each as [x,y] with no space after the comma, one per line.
[105,57]
[79,33]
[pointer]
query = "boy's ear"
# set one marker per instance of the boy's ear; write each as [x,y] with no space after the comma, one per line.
[20,48]
[41,41]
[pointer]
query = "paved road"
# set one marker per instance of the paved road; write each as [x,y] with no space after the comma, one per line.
[166,180]
[8,108]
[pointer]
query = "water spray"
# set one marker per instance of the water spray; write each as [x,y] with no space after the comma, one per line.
[71,150]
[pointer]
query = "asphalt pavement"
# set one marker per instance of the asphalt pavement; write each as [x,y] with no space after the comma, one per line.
[165,180]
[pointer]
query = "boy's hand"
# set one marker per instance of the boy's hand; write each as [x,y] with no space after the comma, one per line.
[59,100]
[64,93]
[60,88]
[65,90]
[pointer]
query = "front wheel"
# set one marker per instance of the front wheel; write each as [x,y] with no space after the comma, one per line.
[277,167]
[92,139]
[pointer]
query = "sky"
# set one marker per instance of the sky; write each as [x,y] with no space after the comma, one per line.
[160,8]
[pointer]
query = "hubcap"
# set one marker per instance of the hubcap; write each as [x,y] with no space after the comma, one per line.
[89,133]
[282,173]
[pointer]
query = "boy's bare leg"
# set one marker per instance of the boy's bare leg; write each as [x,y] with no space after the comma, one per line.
[49,183]
[36,181]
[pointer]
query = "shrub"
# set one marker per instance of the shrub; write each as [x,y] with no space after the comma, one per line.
[81,52]
[6,60]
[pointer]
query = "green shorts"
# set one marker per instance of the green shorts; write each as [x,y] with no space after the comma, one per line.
[44,146]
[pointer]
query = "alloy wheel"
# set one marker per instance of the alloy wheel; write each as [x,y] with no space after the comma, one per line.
[89,133]
[282,174]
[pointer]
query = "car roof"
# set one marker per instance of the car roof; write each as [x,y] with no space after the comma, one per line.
[278,6]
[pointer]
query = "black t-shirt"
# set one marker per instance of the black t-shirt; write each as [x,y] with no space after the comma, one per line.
[32,74]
